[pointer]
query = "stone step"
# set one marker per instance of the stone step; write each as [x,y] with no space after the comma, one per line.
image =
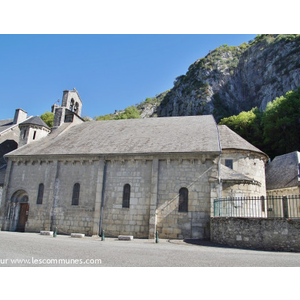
[78,235]
[125,237]
[46,232]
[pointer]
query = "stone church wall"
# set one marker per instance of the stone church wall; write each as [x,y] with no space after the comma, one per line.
[192,174]
[70,218]
[56,209]
[134,220]
[27,177]
[155,182]
[251,165]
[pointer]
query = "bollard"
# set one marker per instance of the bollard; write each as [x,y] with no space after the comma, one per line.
[55,232]
[102,236]
[156,237]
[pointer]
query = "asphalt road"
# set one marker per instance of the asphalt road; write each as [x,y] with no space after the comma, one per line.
[35,250]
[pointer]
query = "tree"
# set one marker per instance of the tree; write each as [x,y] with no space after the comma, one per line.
[248,125]
[104,117]
[274,131]
[281,124]
[130,112]
[48,118]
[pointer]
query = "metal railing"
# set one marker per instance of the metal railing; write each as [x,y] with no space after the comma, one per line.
[258,207]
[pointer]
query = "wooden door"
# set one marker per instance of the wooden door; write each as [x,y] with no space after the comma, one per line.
[23,216]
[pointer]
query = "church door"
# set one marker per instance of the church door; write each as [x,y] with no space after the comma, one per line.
[23,216]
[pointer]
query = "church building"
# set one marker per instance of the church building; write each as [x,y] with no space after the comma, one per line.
[127,177]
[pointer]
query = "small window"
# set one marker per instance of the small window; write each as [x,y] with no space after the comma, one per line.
[75,196]
[24,134]
[34,135]
[126,196]
[40,195]
[229,163]
[69,118]
[183,200]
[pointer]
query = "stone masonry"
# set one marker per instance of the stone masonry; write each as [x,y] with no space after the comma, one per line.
[257,233]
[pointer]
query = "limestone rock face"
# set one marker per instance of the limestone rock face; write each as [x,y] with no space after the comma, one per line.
[233,79]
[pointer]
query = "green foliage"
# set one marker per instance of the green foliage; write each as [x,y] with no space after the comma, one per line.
[48,118]
[130,112]
[104,117]
[274,131]
[281,124]
[148,101]
[248,125]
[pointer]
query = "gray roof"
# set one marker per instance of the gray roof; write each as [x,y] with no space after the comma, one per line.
[35,121]
[5,124]
[228,174]
[132,136]
[282,172]
[190,134]
[231,140]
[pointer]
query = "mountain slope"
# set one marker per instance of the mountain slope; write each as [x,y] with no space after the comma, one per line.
[233,79]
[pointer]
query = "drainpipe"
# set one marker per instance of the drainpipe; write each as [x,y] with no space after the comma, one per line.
[102,196]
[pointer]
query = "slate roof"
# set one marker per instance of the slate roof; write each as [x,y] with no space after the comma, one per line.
[35,121]
[5,124]
[282,172]
[231,140]
[228,174]
[190,134]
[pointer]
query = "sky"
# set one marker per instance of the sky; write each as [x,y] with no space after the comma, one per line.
[109,71]
[116,53]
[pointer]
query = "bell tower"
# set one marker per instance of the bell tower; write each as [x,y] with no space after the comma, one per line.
[69,110]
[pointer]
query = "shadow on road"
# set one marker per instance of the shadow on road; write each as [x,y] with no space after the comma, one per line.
[206,243]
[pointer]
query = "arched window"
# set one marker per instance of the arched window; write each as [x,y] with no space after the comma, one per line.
[75,196]
[40,195]
[126,196]
[183,200]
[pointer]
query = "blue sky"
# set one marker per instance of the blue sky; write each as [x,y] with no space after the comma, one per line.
[110,71]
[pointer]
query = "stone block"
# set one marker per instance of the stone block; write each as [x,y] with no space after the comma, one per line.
[125,237]
[45,232]
[239,238]
[77,235]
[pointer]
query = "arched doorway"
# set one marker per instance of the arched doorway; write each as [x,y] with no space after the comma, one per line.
[17,211]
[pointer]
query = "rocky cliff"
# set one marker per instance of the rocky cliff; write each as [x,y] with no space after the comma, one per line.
[231,79]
